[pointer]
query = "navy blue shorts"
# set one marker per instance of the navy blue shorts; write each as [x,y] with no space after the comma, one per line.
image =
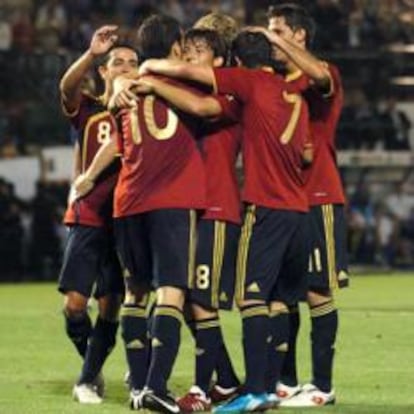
[272,256]
[215,271]
[328,259]
[90,259]
[157,248]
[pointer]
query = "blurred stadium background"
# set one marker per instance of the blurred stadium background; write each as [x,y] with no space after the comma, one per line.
[372,41]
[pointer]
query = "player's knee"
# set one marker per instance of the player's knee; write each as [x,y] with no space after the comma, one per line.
[201,312]
[109,307]
[75,305]
[278,307]
[170,296]
[242,303]
[319,298]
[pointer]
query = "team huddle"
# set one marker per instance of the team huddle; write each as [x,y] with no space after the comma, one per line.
[162,233]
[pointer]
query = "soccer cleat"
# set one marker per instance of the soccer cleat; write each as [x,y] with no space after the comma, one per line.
[219,394]
[194,401]
[243,404]
[284,392]
[135,399]
[272,402]
[86,394]
[310,396]
[159,403]
[99,383]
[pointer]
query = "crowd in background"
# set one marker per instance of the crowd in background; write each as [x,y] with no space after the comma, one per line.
[40,38]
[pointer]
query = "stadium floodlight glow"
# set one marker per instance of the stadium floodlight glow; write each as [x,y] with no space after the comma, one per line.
[401,48]
[403,80]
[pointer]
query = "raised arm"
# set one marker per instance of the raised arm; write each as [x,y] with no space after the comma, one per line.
[177,69]
[185,100]
[304,60]
[71,82]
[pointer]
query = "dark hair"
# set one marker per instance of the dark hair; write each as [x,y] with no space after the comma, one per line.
[211,37]
[296,17]
[253,49]
[104,59]
[156,36]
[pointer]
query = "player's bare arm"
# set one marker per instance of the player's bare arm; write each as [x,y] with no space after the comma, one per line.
[303,59]
[70,85]
[178,69]
[103,158]
[185,100]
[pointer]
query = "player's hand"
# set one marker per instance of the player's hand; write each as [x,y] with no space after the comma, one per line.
[144,86]
[146,67]
[82,186]
[103,39]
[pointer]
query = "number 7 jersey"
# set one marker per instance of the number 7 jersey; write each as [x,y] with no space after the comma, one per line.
[275,128]
[162,166]
[94,126]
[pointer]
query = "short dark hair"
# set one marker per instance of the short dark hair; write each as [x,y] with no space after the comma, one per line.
[103,60]
[253,49]
[296,17]
[211,37]
[156,36]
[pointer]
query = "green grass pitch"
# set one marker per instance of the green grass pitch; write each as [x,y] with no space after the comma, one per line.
[374,371]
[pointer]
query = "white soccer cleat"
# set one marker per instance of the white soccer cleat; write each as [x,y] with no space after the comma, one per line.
[135,399]
[285,392]
[86,394]
[310,396]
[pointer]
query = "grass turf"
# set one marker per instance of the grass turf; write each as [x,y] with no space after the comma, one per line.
[374,371]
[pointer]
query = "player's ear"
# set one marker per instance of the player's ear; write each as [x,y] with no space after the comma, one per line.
[102,70]
[218,62]
[176,51]
[300,36]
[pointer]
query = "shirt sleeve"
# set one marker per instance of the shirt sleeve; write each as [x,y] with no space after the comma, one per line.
[230,108]
[232,81]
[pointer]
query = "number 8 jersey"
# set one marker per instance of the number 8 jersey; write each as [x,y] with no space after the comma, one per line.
[94,125]
[162,166]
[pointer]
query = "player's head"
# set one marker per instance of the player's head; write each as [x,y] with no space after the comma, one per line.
[292,22]
[159,37]
[224,24]
[204,47]
[120,59]
[252,50]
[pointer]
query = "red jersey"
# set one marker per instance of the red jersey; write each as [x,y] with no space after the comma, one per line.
[220,147]
[161,163]
[323,182]
[275,128]
[94,125]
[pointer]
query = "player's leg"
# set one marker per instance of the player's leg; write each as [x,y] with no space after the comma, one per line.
[109,293]
[328,271]
[75,282]
[261,249]
[135,258]
[173,241]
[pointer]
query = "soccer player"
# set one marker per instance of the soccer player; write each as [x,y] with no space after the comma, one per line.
[219,227]
[271,252]
[90,255]
[161,185]
[291,30]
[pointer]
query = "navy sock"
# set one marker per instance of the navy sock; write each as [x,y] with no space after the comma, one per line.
[255,336]
[278,347]
[135,336]
[226,375]
[208,342]
[289,375]
[101,343]
[165,345]
[323,335]
[78,329]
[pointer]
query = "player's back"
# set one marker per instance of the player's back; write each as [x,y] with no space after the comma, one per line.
[323,182]
[275,129]
[161,163]
[220,147]
[94,126]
